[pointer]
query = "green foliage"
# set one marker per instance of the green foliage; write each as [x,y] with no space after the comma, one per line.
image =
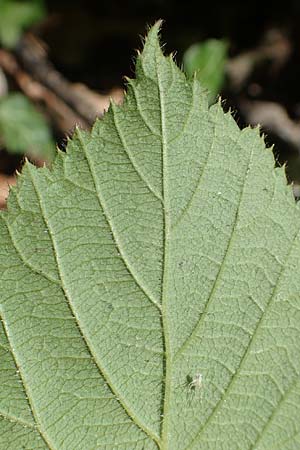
[15,16]
[208,60]
[150,283]
[23,129]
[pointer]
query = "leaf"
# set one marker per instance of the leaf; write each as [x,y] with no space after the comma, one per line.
[15,16]
[208,60]
[150,283]
[23,129]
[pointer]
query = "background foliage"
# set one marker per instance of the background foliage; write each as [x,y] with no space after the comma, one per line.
[91,45]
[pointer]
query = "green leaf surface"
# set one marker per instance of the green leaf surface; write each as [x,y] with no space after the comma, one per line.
[23,129]
[207,59]
[161,250]
[17,15]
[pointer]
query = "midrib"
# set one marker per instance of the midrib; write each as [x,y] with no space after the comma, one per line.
[164,299]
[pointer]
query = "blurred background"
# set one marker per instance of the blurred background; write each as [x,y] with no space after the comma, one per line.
[61,61]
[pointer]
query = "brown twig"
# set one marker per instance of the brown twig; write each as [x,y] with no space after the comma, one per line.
[62,114]
[275,48]
[273,118]
[31,53]
[68,104]
[86,103]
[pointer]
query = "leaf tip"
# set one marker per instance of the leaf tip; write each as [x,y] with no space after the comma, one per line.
[153,34]
[156,27]
[27,165]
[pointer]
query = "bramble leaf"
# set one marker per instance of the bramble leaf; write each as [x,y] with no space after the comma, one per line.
[150,283]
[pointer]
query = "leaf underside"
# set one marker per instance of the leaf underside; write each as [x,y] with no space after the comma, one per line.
[161,249]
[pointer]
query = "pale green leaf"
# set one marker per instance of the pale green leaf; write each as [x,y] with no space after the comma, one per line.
[162,248]
[17,15]
[208,60]
[23,129]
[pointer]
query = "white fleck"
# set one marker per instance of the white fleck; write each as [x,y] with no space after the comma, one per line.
[196,382]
